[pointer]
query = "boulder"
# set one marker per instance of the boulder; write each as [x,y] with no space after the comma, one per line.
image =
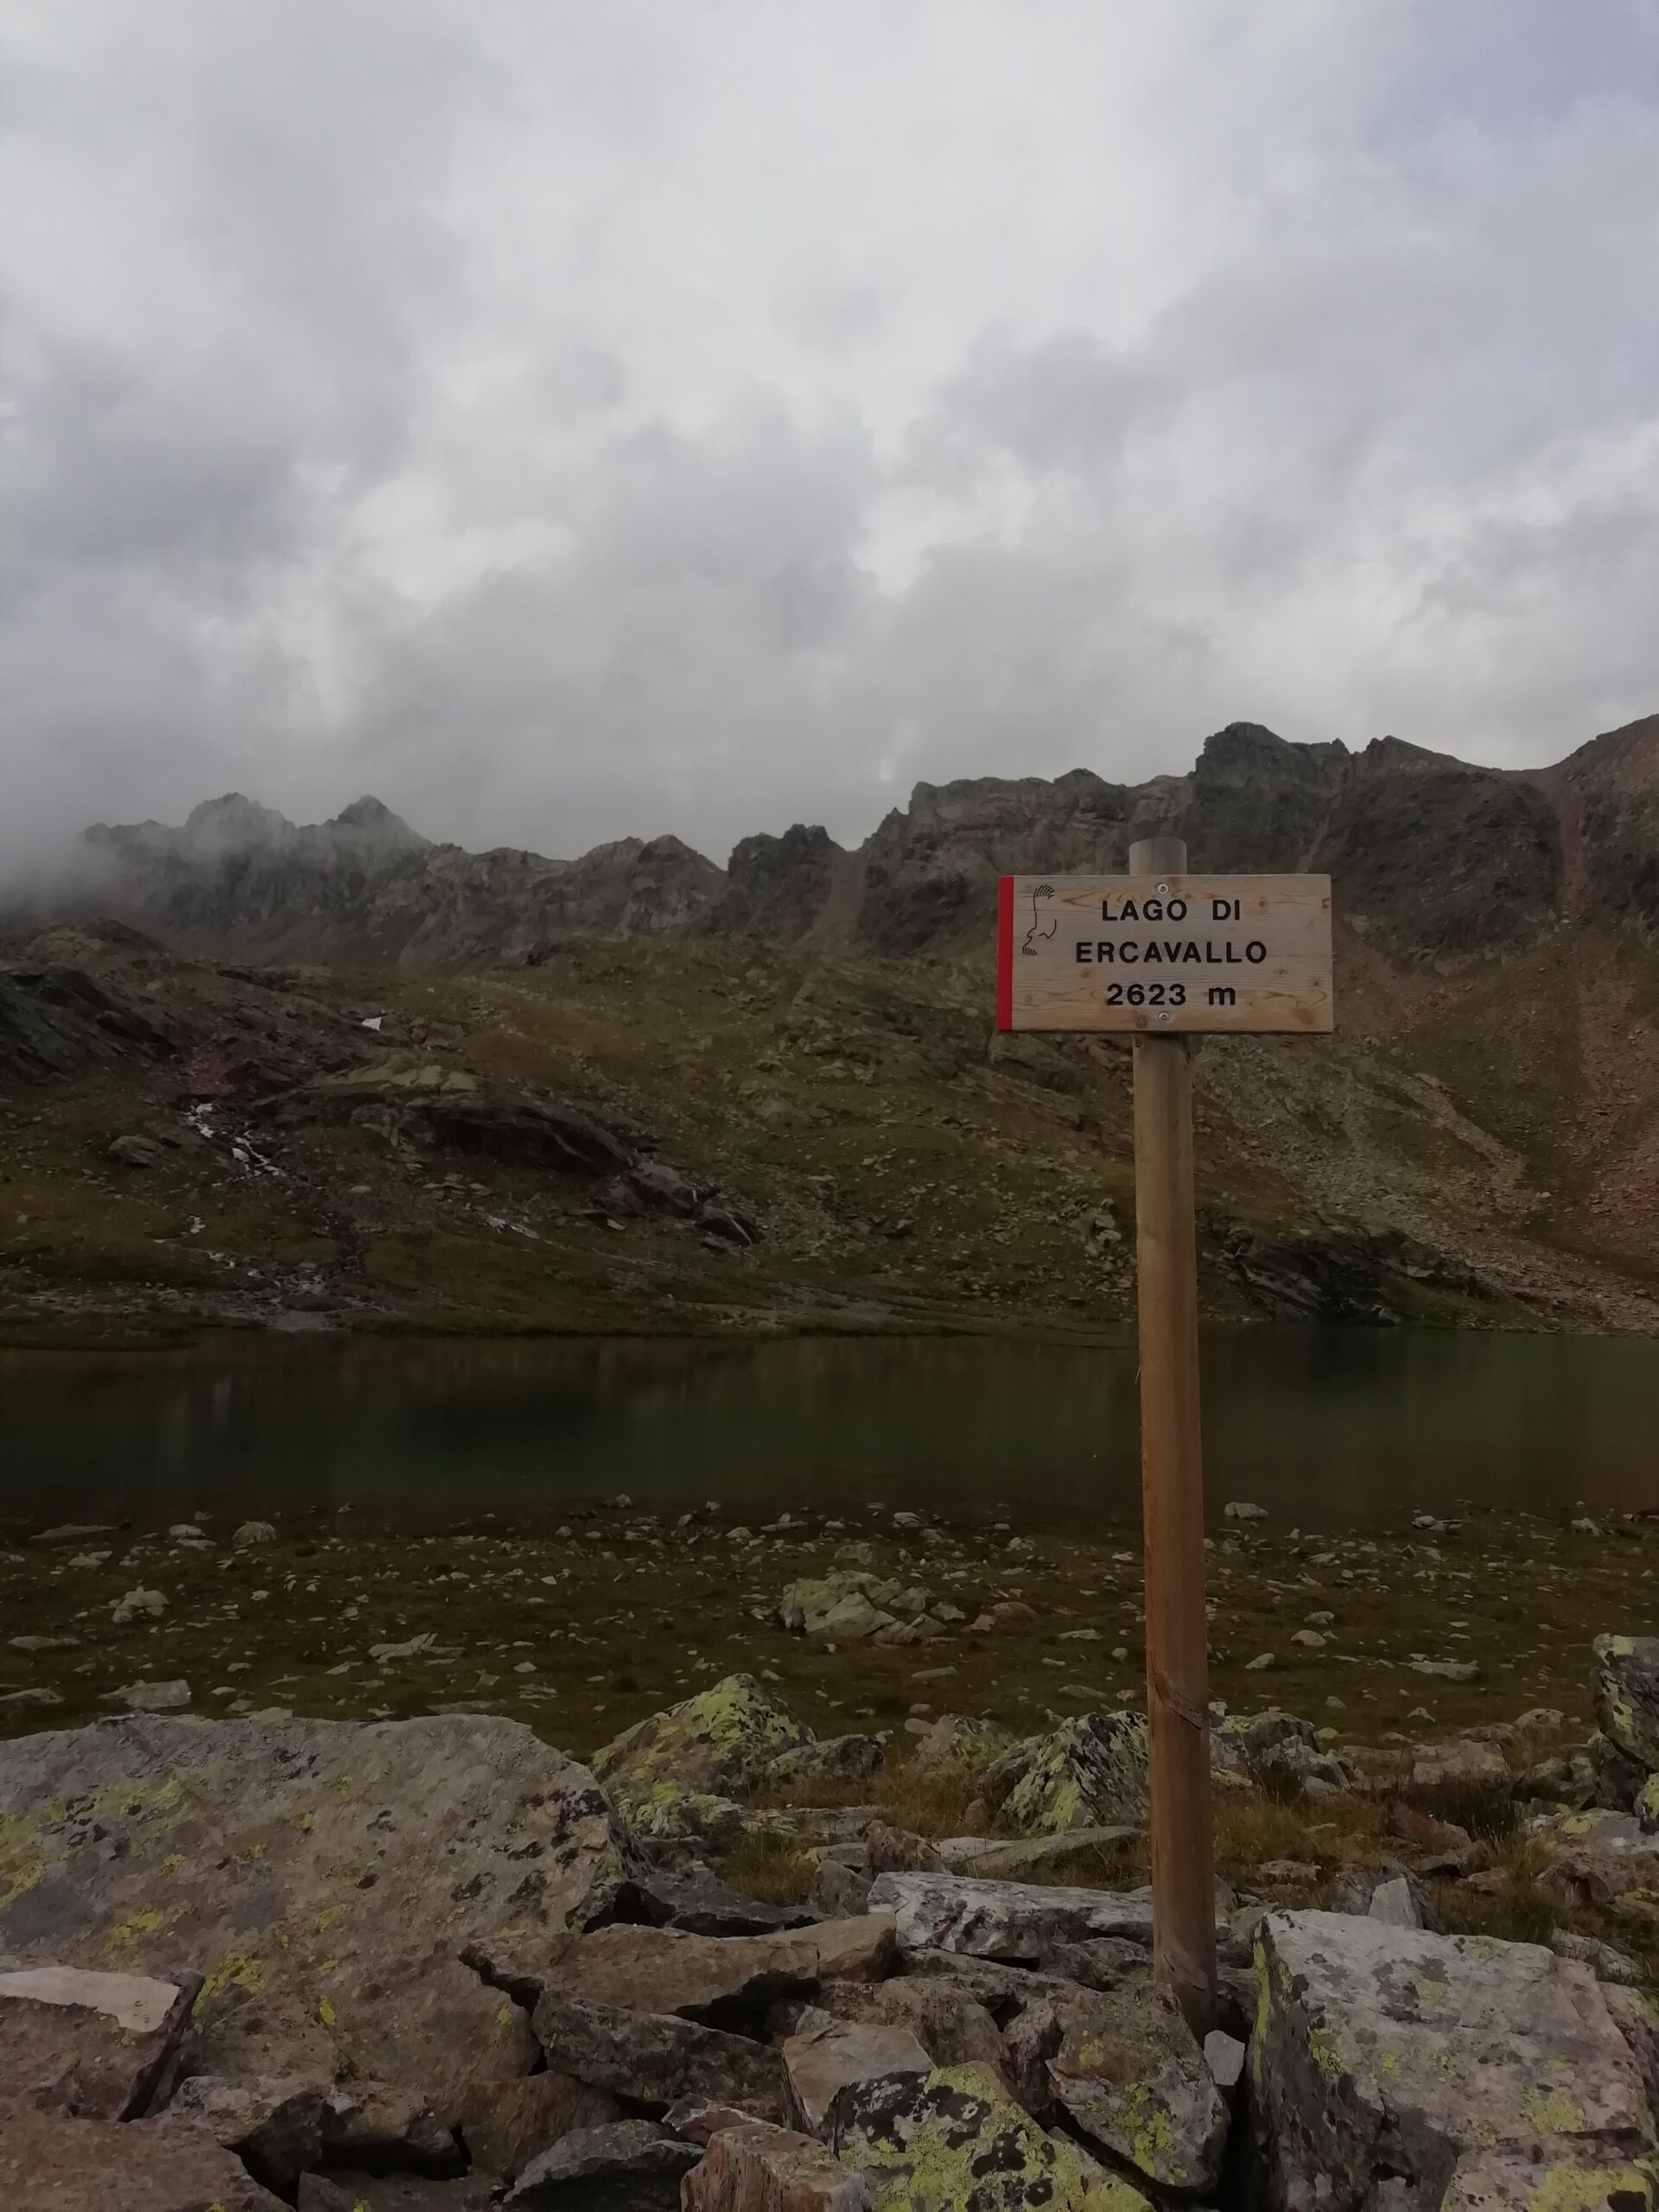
[1091,1772]
[1002,1920]
[51,2164]
[847,1604]
[954,2139]
[1597,1857]
[720,1981]
[326,1876]
[712,1747]
[1002,1861]
[950,2025]
[275,2127]
[633,2165]
[1460,1765]
[90,2044]
[1130,2074]
[375,2124]
[826,2055]
[832,1759]
[655,2058]
[250,1533]
[957,1741]
[506,2124]
[1392,2067]
[152,1697]
[1627,1695]
[758,2169]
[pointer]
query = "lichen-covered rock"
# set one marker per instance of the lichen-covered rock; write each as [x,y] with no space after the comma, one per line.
[1627,1695]
[51,2164]
[633,2165]
[825,2056]
[1392,2067]
[957,1741]
[954,2141]
[326,1877]
[1089,1772]
[1598,1857]
[832,1759]
[1129,2072]
[1461,1764]
[720,1981]
[760,2169]
[846,1605]
[1002,1920]
[709,1748]
[655,2058]
[94,2045]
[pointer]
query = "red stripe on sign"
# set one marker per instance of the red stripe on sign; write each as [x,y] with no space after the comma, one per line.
[1005,952]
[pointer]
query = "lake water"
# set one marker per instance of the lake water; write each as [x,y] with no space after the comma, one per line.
[1328,1428]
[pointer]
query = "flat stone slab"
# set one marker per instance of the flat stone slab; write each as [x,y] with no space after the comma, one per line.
[826,2055]
[1392,2066]
[655,2058]
[723,1982]
[1002,1920]
[325,1877]
[88,2044]
[51,2164]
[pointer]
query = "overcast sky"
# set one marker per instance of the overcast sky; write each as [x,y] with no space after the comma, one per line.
[567,420]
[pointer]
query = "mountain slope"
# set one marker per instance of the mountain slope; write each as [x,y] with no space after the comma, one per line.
[804,1115]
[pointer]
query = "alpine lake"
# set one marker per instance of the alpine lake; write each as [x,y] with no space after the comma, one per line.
[578,1532]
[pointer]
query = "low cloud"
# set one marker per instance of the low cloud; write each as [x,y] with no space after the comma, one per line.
[568,424]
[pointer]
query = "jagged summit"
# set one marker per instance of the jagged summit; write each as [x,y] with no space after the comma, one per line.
[1444,856]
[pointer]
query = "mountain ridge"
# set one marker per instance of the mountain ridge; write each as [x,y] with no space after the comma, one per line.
[1444,855]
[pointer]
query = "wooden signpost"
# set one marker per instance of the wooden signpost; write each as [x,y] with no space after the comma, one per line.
[1163,954]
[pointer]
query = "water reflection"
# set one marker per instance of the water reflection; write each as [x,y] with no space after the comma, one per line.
[1329,1427]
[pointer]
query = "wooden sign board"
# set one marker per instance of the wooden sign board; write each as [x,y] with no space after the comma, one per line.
[1162,954]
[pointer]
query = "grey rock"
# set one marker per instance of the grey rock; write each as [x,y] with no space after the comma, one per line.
[378,2124]
[994,1859]
[966,2146]
[1392,2067]
[329,1874]
[1395,1903]
[712,1747]
[1605,1961]
[506,2124]
[251,1532]
[1127,2070]
[633,2165]
[274,2125]
[51,2164]
[655,2058]
[1091,1772]
[1462,1764]
[758,2169]
[1627,1696]
[91,2045]
[958,1741]
[1225,2055]
[832,1759]
[153,1697]
[720,1981]
[1597,1857]
[826,2055]
[1002,1920]
[948,2021]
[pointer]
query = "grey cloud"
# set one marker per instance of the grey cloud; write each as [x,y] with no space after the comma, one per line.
[430,399]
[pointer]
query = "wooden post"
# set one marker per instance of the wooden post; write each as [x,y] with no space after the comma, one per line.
[1172,1484]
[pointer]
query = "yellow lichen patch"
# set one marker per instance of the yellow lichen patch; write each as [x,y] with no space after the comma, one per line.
[241,1970]
[20,1862]
[304,1824]
[503,2015]
[325,2013]
[1552,2112]
[329,1915]
[129,1934]
[171,1864]
[1323,2050]
[1580,2189]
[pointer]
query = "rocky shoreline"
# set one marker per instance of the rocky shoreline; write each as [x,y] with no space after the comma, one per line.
[438,1963]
